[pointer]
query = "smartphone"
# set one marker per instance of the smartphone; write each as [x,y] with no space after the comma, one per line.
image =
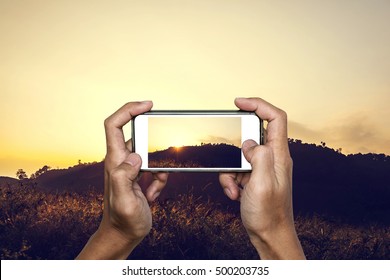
[191,141]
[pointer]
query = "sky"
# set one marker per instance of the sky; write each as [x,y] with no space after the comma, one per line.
[67,65]
[165,132]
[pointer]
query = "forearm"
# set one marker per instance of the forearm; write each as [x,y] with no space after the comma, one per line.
[281,243]
[107,245]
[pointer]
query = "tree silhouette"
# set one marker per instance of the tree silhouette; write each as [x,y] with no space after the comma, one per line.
[21,174]
[40,171]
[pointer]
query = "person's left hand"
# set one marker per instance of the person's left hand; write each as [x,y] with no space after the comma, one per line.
[126,216]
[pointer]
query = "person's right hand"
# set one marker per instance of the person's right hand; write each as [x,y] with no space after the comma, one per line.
[266,193]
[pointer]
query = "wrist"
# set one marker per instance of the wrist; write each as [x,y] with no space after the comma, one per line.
[280,242]
[109,243]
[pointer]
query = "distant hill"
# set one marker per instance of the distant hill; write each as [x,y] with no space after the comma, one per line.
[354,187]
[8,181]
[79,178]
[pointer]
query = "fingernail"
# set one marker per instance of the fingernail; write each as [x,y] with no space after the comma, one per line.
[155,195]
[227,192]
[245,145]
[248,144]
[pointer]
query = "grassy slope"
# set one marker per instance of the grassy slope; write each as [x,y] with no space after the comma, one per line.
[38,225]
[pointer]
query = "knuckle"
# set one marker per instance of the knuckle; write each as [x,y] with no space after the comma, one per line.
[108,122]
[118,175]
[260,152]
[282,114]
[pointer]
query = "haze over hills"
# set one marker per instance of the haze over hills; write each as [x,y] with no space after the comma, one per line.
[355,187]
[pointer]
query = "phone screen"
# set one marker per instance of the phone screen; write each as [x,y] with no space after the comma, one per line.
[200,142]
[192,142]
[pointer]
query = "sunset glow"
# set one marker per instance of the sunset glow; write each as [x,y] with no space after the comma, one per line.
[165,132]
[65,67]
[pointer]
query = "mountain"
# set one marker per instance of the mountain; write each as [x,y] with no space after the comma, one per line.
[354,187]
[79,178]
[8,181]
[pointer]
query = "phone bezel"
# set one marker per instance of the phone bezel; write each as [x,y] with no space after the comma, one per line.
[189,113]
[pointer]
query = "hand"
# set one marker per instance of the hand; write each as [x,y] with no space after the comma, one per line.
[126,216]
[266,193]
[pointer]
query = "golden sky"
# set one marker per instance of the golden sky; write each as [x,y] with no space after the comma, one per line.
[66,65]
[165,132]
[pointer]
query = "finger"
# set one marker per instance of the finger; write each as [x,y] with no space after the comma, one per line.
[114,123]
[129,145]
[230,185]
[157,185]
[123,177]
[276,118]
[265,136]
[262,161]
[247,147]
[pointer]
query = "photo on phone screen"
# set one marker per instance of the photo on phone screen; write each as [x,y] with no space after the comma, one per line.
[198,142]
[194,142]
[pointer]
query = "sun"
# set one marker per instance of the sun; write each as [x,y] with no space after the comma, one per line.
[177,148]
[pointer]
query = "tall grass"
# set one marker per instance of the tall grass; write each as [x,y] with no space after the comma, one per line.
[38,225]
[187,228]
[171,163]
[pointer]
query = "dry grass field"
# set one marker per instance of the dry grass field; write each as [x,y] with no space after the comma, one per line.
[39,225]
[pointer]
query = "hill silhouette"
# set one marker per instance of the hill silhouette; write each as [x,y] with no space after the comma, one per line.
[8,181]
[328,182]
[79,178]
[355,188]
[205,155]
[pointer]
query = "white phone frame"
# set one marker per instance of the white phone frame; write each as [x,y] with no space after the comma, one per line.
[251,128]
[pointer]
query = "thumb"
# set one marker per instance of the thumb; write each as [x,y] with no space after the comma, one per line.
[124,176]
[259,156]
[248,149]
[133,164]
[261,159]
